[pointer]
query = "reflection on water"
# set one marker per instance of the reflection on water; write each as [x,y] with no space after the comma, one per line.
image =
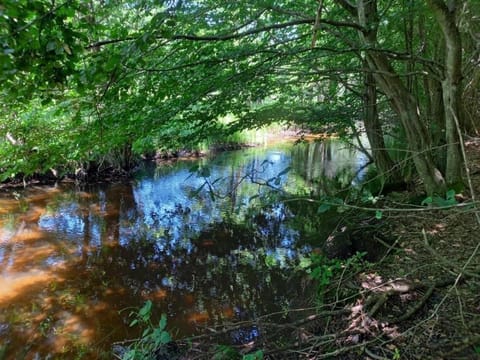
[74,262]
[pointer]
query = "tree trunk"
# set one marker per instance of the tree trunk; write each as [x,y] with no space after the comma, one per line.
[432,89]
[402,101]
[373,128]
[451,86]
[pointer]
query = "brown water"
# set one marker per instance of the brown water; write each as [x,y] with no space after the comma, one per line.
[75,262]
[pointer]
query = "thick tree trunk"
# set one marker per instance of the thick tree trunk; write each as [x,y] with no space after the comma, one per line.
[435,109]
[406,108]
[402,101]
[373,128]
[451,86]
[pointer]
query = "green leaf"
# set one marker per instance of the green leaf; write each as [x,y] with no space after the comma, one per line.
[163,322]
[130,355]
[51,46]
[450,194]
[112,62]
[427,201]
[270,261]
[146,310]
[258,355]
[165,337]
[378,214]
[323,208]
[305,262]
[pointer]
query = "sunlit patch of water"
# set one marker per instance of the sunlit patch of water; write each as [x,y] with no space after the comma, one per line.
[204,246]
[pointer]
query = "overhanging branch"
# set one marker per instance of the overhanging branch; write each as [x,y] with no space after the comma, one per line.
[234,35]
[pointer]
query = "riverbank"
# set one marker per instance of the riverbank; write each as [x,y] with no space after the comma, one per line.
[419,301]
[108,171]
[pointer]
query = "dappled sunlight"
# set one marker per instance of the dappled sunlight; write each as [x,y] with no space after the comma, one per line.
[70,327]
[375,283]
[371,281]
[85,195]
[198,317]
[29,235]
[374,314]
[28,257]
[437,229]
[362,326]
[33,214]
[157,295]
[9,206]
[19,285]
[31,247]
[78,263]
[42,194]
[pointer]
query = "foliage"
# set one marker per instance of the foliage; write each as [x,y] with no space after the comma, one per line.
[152,338]
[136,78]
[322,269]
[448,200]
[224,352]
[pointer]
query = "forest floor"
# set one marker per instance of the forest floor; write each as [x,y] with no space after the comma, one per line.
[437,254]
[420,301]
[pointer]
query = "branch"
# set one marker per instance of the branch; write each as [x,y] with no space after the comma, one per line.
[316,26]
[233,36]
[242,34]
[108,42]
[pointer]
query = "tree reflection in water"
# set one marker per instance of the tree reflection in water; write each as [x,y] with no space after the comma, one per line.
[74,259]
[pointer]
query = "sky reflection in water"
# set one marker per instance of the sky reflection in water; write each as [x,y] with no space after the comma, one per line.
[72,258]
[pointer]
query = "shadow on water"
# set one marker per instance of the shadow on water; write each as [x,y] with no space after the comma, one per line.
[207,241]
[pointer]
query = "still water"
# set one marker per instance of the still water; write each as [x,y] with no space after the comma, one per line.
[207,241]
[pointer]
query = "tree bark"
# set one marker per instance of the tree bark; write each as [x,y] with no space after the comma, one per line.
[451,86]
[373,128]
[402,101]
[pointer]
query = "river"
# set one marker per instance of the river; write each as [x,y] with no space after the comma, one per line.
[206,240]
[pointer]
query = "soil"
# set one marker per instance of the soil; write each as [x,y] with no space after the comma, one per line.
[438,246]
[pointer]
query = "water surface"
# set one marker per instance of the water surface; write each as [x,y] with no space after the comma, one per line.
[207,241]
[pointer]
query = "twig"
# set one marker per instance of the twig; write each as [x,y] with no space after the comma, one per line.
[447,263]
[374,356]
[381,300]
[466,342]
[415,308]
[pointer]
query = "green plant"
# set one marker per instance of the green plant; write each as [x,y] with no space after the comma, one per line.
[435,200]
[257,355]
[226,352]
[45,326]
[152,338]
[323,269]
[356,262]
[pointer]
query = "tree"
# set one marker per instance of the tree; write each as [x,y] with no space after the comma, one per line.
[451,85]
[145,76]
